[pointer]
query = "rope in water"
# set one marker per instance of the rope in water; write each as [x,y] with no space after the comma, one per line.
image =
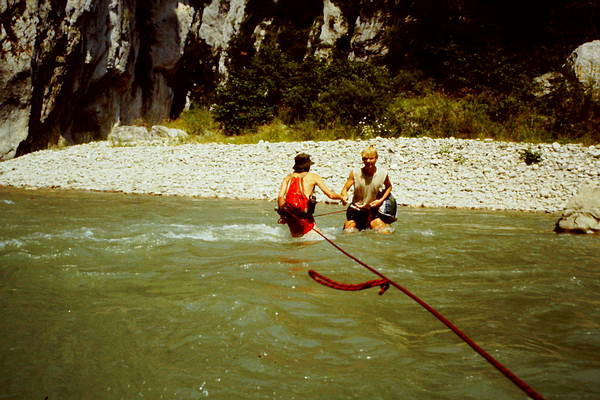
[323,280]
[384,283]
[329,213]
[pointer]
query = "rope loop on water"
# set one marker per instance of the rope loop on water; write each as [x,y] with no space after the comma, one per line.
[325,281]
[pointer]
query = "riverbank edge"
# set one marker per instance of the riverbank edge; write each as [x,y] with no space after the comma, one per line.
[463,174]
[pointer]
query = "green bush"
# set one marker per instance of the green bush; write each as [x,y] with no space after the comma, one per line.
[303,87]
[412,83]
[251,95]
[273,86]
[530,156]
[274,97]
[352,91]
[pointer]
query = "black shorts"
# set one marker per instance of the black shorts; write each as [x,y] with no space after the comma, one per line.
[363,217]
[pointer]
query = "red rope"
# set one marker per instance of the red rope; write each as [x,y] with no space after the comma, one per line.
[329,213]
[505,371]
[325,281]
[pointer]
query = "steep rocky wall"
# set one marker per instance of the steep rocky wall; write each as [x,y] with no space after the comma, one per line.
[17,37]
[70,70]
[94,64]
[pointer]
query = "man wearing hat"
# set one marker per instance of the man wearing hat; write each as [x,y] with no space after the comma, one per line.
[295,202]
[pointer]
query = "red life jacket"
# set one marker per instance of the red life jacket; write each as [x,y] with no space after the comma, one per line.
[297,200]
[295,196]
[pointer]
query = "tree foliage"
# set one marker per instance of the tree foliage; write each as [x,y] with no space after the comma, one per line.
[272,85]
[454,68]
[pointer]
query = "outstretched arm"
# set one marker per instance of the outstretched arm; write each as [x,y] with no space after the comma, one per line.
[347,186]
[328,192]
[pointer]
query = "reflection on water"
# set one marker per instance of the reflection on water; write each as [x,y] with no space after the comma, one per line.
[114,296]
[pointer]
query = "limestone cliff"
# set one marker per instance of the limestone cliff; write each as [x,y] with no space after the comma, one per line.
[70,70]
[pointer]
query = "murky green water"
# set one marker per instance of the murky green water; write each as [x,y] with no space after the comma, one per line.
[107,296]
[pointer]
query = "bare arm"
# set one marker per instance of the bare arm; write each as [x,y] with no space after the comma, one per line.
[349,183]
[328,192]
[386,193]
[283,191]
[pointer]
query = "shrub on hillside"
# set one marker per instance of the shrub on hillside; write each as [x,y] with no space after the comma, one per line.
[272,86]
[352,91]
[252,93]
[481,97]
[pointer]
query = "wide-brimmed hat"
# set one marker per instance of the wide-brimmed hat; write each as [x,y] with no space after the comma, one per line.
[302,162]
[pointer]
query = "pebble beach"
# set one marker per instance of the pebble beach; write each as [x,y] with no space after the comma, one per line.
[425,172]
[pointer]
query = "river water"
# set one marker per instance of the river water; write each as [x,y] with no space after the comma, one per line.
[112,296]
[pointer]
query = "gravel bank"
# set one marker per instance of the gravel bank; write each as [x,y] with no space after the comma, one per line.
[425,172]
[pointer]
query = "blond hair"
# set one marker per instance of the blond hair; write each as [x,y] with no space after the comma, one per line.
[369,151]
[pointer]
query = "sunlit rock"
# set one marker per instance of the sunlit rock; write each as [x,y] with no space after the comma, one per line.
[368,40]
[221,20]
[168,133]
[585,64]
[582,212]
[121,135]
[333,27]
[547,83]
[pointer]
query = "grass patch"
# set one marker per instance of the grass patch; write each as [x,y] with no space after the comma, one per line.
[202,128]
[432,114]
[196,122]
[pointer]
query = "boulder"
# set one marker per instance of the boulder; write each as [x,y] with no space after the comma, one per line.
[584,63]
[582,212]
[582,66]
[129,135]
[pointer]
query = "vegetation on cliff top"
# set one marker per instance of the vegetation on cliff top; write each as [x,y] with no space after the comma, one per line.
[454,68]
[276,98]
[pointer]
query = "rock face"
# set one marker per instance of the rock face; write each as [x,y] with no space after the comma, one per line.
[72,70]
[582,212]
[17,43]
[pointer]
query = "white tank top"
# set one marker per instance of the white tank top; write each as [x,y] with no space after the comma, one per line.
[367,187]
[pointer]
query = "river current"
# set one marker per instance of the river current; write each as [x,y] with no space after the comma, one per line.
[113,296]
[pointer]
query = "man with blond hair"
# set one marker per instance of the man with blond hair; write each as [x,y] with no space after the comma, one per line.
[372,186]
